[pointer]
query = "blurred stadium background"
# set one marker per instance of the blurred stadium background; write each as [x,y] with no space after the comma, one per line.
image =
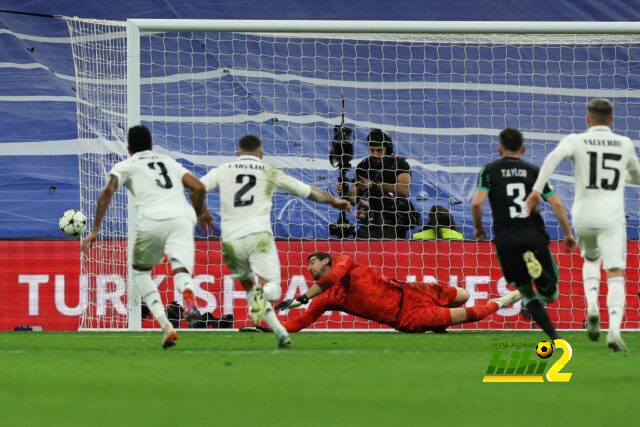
[327,379]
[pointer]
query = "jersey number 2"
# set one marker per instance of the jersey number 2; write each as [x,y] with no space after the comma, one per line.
[517,190]
[163,173]
[593,170]
[237,199]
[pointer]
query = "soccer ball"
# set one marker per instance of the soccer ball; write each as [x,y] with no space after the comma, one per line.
[544,349]
[72,222]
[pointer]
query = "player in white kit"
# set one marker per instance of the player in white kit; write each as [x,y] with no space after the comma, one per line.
[164,222]
[603,161]
[246,188]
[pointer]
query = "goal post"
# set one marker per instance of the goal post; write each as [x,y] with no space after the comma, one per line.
[443,90]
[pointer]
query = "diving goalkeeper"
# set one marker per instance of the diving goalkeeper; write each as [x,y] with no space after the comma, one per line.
[362,291]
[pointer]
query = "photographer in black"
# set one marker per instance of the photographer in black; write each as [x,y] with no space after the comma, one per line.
[381,192]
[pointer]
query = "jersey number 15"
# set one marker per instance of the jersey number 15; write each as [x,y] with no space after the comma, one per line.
[605,184]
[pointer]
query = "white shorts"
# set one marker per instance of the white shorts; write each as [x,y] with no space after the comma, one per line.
[173,237]
[610,243]
[255,254]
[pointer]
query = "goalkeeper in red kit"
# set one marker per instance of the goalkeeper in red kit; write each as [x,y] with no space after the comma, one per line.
[362,291]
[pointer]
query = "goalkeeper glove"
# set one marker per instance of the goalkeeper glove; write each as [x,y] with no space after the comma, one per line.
[292,303]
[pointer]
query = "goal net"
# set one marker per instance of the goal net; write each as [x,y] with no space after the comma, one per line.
[443,99]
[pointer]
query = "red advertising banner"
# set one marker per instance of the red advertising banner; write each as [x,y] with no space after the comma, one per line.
[41,285]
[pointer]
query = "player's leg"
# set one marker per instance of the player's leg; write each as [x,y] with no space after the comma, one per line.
[518,265]
[444,295]
[614,260]
[180,249]
[236,256]
[587,240]
[147,252]
[462,296]
[547,285]
[547,282]
[479,312]
[423,310]
[265,263]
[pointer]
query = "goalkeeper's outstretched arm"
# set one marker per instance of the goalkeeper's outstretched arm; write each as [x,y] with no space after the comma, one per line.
[316,309]
[301,300]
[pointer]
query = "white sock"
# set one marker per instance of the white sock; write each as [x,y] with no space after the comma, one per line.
[184,281]
[272,291]
[151,296]
[272,320]
[591,281]
[616,299]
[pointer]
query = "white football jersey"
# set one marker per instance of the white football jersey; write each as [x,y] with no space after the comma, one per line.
[246,189]
[602,162]
[155,183]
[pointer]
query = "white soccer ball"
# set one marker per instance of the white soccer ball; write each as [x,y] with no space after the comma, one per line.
[72,222]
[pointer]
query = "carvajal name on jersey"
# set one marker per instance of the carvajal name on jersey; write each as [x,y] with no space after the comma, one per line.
[603,142]
[251,165]
[514,172]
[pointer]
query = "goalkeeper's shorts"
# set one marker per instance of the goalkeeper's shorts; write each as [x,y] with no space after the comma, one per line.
[425,307]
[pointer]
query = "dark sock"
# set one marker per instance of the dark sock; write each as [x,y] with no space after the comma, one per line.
[539,314]
[546,284]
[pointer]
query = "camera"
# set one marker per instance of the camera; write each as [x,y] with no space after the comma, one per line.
[341,147]
[340,157]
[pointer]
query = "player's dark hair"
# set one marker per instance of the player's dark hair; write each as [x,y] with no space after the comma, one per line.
[377,138]
[321,256]
[600,110]
[511,139]
[249,143]
[440,217]
[139,139]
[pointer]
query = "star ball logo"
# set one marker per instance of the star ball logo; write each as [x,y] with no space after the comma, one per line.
[526,362]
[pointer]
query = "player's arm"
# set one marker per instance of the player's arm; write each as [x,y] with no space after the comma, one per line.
[300,189]
[312,292]
[561,214]
[318,195]
[316,309]
[482,191]
[563,150]
[210,180]
[633,167]
[341,266]
[476,212]
[101,209]
[197,193]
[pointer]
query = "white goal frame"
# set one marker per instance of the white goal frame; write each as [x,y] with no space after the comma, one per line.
[136,26]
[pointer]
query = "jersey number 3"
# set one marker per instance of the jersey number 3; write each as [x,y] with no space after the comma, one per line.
[166,183]
[517,190]
[605,184]
[238,201]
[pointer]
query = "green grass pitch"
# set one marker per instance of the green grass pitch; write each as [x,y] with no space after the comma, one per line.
[326,379]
